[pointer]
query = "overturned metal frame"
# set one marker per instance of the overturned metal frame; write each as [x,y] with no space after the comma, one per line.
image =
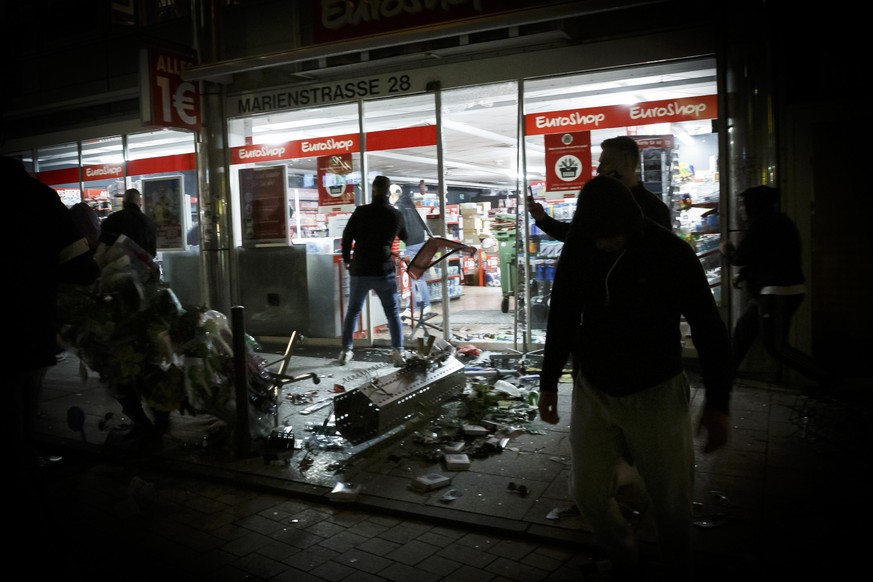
[388,401]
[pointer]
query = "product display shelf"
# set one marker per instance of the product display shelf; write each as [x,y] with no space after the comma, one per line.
[434,280]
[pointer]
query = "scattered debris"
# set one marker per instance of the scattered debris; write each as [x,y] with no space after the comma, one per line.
[429,482]
[344,492]
[457,462]
[521,490]
[450,496]
[561,512]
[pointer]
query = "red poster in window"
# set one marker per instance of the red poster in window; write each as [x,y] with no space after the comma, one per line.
[568,160]
[333,185]
[265,205]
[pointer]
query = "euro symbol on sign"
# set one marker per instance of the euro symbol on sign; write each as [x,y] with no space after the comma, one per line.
[183,101]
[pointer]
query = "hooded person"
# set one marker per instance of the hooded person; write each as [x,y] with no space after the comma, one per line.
[770,265]
[622,285]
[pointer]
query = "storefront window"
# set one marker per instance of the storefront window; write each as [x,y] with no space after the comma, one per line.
[480,131]
[103,174]
[58,167]
[162,165]
[402,144]
[668,109]
[316,154]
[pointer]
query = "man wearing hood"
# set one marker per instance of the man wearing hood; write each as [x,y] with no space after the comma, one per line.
[771,271]
[622,285]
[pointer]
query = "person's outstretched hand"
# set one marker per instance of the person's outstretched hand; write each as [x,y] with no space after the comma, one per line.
[535,208]
[548,406]
[715,423]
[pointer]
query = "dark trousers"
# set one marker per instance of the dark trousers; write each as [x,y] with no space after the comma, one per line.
[769,318]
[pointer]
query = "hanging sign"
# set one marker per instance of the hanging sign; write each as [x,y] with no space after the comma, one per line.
[346,19]
[168,100]
[568,160]
[265,205]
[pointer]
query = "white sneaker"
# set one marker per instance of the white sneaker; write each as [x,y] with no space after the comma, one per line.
[345,357]
[405,314]
[397,358]
[426,309]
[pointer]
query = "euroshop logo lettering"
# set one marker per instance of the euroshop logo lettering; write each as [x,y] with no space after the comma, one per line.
[330,144]
[572,120]
[103,171]
[668,110]
[262,152]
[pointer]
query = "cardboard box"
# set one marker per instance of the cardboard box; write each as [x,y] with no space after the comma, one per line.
[457,461]
[429,482]
[453,448]
[471,223]
[475,430]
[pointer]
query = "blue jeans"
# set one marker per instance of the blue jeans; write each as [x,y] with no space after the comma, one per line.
[420,290]
[386,289]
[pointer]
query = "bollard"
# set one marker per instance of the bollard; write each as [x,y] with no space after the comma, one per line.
[241,382]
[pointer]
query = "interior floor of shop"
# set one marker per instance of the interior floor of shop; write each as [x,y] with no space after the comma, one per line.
[476,316]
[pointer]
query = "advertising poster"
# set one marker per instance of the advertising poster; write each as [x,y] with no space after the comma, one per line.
[333,185]
[162,200]
[265,205]
[568,160]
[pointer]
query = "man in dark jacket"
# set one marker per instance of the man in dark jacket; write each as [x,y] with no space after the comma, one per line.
[622,285]
[132,223]
[54,254]
[366,246]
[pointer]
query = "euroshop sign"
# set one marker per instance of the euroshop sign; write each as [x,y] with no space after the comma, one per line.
[666,111]
[305,148]
[344,19]
[336,145]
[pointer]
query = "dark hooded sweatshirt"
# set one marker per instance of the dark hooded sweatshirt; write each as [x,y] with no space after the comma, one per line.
[770,252]
[619,314]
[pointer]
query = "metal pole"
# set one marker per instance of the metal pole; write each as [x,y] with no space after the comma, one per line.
[241,382]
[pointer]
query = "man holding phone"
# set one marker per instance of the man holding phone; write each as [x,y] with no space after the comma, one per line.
[620,159]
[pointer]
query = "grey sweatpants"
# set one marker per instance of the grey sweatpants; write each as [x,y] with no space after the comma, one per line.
[652,431]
